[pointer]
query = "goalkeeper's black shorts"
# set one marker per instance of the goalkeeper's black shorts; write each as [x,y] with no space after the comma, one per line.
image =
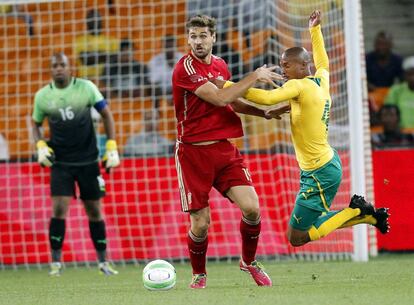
[90,182]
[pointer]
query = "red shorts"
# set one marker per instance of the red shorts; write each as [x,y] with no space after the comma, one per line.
[200,167]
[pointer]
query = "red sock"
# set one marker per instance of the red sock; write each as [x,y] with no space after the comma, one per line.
[250,237]
[197,250]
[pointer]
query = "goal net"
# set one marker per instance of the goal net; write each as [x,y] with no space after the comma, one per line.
[142,208]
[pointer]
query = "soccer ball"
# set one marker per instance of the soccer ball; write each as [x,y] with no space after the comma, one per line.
[159,275]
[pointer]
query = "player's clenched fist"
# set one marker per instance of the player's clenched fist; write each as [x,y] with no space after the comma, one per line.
[315,19]
[111,157]
[45,154]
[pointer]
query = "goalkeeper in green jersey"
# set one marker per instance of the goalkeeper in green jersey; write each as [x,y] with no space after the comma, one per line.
[321,169]
[72,154]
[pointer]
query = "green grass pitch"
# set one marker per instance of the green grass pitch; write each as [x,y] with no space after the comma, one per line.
[386,280]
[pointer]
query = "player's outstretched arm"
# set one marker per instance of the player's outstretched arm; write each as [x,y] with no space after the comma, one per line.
[271,97]
[276,113]
[320,56]
[222,97]
[240,106]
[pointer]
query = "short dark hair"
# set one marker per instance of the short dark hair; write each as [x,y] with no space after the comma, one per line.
[383,35]
[92,14]
[202,21]
[390,107]
[126,44]
[170,37]
[94,21]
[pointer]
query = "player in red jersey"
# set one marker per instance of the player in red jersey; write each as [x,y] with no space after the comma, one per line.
[204,157]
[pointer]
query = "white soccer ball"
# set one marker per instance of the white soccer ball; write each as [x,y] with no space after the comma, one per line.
[159,275]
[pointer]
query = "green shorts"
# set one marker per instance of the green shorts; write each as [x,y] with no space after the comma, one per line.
[317,191]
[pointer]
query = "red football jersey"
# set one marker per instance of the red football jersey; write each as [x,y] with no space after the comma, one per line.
[198,120]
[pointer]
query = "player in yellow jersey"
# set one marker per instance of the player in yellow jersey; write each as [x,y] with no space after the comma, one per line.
[321,169]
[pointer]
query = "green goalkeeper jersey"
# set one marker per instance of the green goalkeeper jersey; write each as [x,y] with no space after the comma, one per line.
[72,134]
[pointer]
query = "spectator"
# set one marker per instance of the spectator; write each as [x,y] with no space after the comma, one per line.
[256,16]
[229,55]
[124,76]
[222,10]
[383,66]
[148,142]
[18,11]
[93,49]
[269,55]
[402,95]
[389,117]
[111,6]
[161,66]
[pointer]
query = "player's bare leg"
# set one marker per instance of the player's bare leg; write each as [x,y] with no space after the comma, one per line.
[57,229]
[98,234]
[197,246]
[246,199]
[297,237]
[322,226]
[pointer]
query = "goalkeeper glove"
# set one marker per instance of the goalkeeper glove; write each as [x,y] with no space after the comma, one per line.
[45,154]
[111,156]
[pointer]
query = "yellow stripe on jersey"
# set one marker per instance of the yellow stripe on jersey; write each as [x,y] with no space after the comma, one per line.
[310,106]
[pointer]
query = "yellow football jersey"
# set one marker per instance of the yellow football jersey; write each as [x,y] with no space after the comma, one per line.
[94,43]
[310,103]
